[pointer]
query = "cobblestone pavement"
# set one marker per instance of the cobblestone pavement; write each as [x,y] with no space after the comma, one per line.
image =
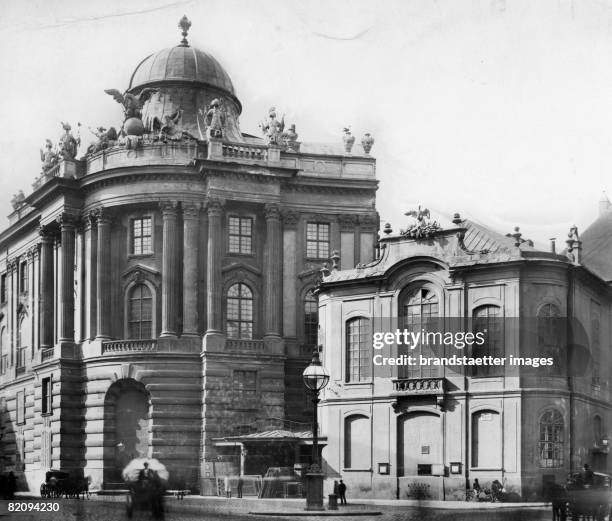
[90,510]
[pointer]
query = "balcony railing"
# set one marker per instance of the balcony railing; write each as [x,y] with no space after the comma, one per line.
[127,346]
[410,386]
[242,151]
[47,354]
[240,344]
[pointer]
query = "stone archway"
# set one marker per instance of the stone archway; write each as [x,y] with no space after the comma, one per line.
[127,427]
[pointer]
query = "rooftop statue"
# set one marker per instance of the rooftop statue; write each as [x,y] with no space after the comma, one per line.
[289,139]
[48,157]
[172,129]
[214,119]
[273,128]
[424,226]
[18,200]
[132,103]
[68,144]
[106,139]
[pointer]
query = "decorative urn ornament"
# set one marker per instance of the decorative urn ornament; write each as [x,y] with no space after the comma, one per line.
[366,142]
[349,140]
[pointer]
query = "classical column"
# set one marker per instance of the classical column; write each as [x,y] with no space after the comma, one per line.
[31,289]
[67,229]
[191,219]
[47,298]
[273,272]
[35,296]
[169,268]
[213,268]
[13,269]
[91,247]
[103,296]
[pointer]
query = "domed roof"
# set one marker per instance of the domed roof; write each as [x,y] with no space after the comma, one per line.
[597,246]
[181,63]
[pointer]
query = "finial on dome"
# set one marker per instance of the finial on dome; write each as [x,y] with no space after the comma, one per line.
[184,25]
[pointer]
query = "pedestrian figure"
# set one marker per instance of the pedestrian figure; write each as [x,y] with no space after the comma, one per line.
[240,483]
[588,475]
[476,486]
[226,484]
[12,485]
[342,492]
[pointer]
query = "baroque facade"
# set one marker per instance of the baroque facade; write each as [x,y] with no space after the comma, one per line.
[157,293]
[429,431]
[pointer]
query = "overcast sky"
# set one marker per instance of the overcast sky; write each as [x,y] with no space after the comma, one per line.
[498,109]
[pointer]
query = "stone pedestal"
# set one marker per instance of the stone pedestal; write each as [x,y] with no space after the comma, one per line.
[314,491]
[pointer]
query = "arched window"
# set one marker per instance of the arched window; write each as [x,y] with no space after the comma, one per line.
[358,350]
[240,312]
[140,312]
[419,311]
[486,440]
[550,336]
[487,320]
[311,319]
[357,444]
[22,339]
[551,439]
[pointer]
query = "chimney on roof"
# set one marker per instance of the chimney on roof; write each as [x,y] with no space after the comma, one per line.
[604,203]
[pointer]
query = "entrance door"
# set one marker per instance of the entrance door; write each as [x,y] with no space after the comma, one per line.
[419,439]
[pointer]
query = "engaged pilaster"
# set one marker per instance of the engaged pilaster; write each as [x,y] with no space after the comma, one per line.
[169,211]
[67,224]
[46,288]
[191,220]
[103,266]
[273,272]
[215,248]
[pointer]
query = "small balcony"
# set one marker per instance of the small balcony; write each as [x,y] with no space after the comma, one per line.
[241,344]
[419,386]
[128,346]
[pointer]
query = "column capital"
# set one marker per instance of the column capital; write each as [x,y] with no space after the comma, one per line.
[12,264]
[272,212]
[347,222]
[214,206]
[67,221]
[290,218]
[369,222]
[101,216]
[191,210]
[46,234]
[89,220]
[34,251]
[168,208]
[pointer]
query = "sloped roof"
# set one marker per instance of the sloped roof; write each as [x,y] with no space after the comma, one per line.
[597,246]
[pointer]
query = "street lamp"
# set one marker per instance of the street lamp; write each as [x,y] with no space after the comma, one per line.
[315,379]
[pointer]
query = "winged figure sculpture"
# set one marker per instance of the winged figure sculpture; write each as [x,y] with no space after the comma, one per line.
[132,103]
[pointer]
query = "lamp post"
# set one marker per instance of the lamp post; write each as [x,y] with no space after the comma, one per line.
[315,379]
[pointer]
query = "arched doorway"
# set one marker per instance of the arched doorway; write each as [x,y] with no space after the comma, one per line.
[127,427]
[419,438]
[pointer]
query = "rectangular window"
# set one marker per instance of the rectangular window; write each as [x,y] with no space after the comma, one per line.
[245,389]
[47,396]
[241,235]
[3,288]
[358,352]
[20,408]
[23,277]
[142,237]
[317,240]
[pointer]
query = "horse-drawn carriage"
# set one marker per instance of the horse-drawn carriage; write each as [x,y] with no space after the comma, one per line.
[586,501]
[58,483]
[146,480]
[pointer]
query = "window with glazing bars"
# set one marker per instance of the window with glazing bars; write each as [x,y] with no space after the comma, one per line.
[142,236]
[358,350]
[311,319]
[317,240]
[241,235]
[140,312]
[551,439]
[239,312]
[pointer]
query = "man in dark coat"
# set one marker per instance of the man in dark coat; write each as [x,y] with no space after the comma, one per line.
[342,492]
